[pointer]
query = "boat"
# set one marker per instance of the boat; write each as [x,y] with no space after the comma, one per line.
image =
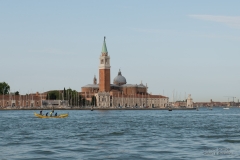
[170,108]
[59,116]
[225,108]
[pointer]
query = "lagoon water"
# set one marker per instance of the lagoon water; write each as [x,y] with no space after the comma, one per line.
[121,134]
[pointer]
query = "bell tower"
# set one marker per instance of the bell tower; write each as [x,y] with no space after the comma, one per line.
[104,69]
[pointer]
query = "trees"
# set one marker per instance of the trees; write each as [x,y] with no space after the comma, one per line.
[94,100]
[73,97]
[64,94]
[4,88]
[53,95]
[84,102]
[80,100]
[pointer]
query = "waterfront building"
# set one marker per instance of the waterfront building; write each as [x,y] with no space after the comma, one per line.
[32,100]
[107,94]
[189,101]
[29,100]
[212,103]
[119,93]
[180,104]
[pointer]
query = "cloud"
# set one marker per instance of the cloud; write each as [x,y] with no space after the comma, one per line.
[231,21]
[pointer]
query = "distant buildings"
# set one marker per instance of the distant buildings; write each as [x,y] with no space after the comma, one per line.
[30,100]
[119,93]
[105,94]
[212,103]
[188,103]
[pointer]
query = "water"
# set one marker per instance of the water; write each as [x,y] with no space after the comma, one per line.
[149,134]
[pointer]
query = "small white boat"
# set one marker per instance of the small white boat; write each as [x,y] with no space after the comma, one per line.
[225,108]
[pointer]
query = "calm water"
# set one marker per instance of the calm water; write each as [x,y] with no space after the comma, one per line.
[202,134]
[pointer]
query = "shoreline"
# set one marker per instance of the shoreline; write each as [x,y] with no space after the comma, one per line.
[8,109]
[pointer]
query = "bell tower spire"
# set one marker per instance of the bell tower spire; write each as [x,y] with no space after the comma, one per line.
[104,47]
[104,69]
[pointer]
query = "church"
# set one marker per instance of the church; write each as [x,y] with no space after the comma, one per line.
[119,93]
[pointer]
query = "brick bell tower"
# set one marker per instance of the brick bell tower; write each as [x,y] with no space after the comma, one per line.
[104,69]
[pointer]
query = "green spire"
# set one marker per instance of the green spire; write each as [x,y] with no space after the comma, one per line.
[104,47]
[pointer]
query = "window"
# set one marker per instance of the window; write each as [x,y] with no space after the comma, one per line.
[102,61]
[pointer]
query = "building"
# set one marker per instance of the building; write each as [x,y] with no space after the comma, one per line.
[32,100]
[189,101]
[119,93]
[17,101]
[212,103]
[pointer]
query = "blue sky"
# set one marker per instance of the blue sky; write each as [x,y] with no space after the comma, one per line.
[182,46]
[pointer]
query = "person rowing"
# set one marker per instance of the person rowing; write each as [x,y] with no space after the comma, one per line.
[41,112]
[55,114]
[51,113]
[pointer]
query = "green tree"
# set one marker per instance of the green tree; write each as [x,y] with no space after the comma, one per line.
[94,100]
[4,88]
[17,93]
[64,94]
[80,100]
[83,101]
[71,96]
[52,96]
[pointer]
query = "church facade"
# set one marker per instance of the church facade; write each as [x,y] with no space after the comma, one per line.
[119,93]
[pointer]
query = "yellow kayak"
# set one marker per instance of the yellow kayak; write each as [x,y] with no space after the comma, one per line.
[59,116]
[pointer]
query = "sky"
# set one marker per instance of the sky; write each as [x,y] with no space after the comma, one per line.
[176,47]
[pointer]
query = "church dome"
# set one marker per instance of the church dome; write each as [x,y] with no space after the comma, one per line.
[119,80]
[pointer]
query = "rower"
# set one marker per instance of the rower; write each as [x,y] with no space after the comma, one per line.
[51,113]
[47,114]
[41,112]
[56,114]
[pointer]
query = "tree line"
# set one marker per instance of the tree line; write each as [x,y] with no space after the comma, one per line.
[5,89]
[72,96]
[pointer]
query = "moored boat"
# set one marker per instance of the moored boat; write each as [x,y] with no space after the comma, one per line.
[59,116]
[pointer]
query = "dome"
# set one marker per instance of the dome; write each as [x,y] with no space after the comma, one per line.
[119,80]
